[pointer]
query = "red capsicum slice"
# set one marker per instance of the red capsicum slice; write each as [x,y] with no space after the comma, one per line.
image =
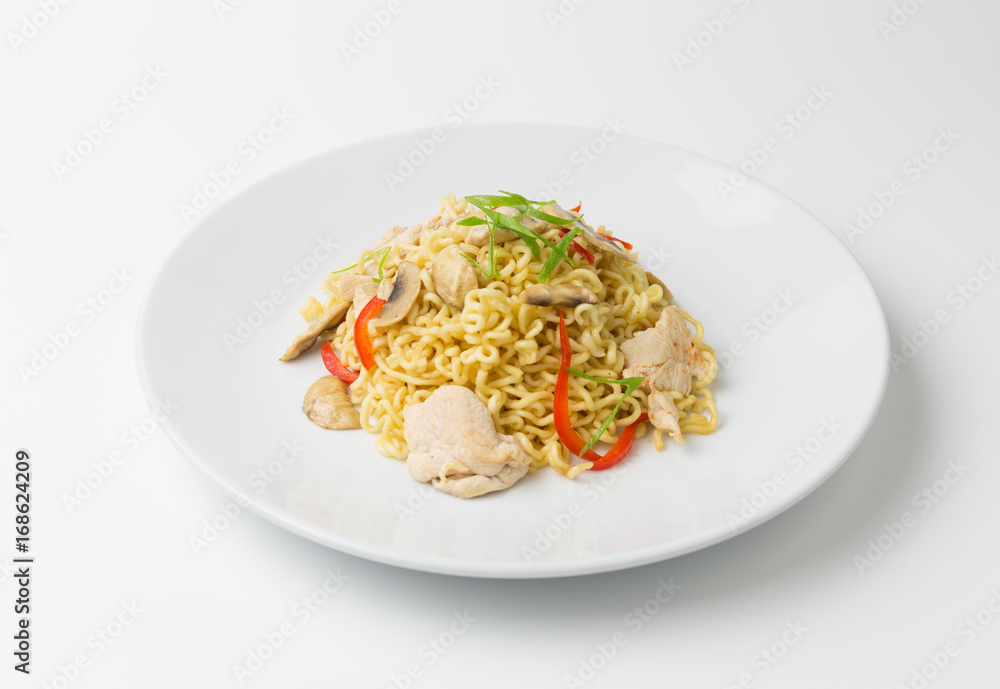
[620,449]
[564,425]
[560,405]
[576,245]
[361,338]
[334,366]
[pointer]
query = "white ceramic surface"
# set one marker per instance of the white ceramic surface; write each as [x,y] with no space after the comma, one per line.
[799,390]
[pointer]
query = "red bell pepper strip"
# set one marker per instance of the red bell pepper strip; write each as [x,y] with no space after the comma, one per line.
[577,209]
[361,338]
[334,366]
[580,250]
[560,405]
[620,449]
[564,425]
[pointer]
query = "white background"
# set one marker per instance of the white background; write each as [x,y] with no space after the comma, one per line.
[62,234]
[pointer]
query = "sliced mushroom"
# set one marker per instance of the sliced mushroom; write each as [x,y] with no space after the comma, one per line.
[532,223]
[653,280]
[453,276]
[403,294]
[326,320]
[589,234]
[544,294]
[328,405]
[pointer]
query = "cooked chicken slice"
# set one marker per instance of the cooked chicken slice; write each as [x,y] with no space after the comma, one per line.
[664,415]
[665,355]
[453,444]
[326,320]
[668,377]
[364,293]
[349,284]
[544,294]
[453,276]
[387,287]
[394,234]
[479,235]
[328,405]
[407,235]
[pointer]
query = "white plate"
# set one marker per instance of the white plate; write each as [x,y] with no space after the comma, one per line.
[821,364]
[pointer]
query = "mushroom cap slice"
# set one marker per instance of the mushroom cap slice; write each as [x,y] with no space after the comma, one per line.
[589,234]
[306,339]
[544,294]
[453,277]
[328,405]
[404,293]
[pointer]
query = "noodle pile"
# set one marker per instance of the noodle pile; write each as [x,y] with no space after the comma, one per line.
[506,351]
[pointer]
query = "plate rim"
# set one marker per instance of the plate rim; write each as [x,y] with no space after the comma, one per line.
[506,570]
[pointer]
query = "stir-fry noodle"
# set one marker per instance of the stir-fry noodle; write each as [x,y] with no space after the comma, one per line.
[507,351]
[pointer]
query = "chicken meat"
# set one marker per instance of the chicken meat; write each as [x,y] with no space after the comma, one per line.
[454,445]
[667,357]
